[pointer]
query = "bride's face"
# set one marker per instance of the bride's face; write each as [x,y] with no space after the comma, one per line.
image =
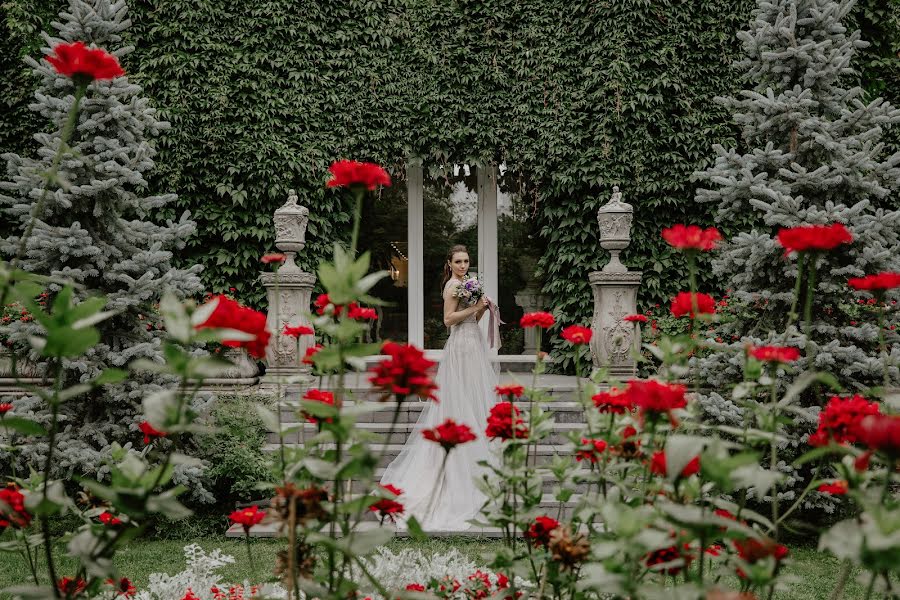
[459,264]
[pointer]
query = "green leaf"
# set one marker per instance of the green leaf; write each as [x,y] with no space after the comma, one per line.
[23,425]
[415,530]
[680,450]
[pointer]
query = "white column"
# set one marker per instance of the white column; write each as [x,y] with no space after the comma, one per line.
[488,263]
[416,234]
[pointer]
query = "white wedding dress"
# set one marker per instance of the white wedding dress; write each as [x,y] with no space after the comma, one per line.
[466,381]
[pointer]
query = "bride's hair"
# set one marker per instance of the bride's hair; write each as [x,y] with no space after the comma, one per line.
[447,271]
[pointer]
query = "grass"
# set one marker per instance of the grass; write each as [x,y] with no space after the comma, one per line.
[813,574]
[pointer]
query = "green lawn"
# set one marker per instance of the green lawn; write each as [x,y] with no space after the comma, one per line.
[816,572]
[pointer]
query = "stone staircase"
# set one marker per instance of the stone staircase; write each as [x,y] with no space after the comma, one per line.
[566,413]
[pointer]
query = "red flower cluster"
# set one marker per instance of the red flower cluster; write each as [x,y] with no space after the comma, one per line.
[77,61]
[388,507]
[813,237]
[636,318]
[590,450]
[840,420]
[296,332]
[838,488]
[505,423]
[881,433]
[449,434]
[539,531]
[664,556]
[348,173]
[543,320]
[247,517]
[310,353]
[577,334]
[361,314]
[691,237]
[150,432]
[71,587]
[405,373]
[614,401]
[5,407]
[658,465]
[510,390]
[122,587]
[887,280]
[109,519]
[12,508]
[228,314]
[683,304]
[780,354]
[322,302]
[324,397]
[272,257]
[655,399]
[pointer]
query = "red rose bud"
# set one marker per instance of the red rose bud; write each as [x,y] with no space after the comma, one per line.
[150,432]
[77,61]
[348,173]
[577,334]
[272,257]
[109,519]
[691,237]
[781,354]
[297,331]
[887,280]
[510,390]
[543,320]
[838,488]
[636,318]
[247,517]
[539,531]
[387,507]
[813,237]
[683,304]
[449,434]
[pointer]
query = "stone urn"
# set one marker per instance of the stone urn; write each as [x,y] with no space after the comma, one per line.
[614,219]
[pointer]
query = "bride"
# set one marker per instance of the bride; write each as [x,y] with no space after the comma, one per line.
[466,382]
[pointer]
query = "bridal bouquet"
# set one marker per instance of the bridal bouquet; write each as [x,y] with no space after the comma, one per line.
[470,291]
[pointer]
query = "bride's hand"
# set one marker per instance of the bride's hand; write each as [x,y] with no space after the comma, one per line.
[485,303]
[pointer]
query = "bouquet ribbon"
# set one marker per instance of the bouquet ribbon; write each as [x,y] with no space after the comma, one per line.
[494,323]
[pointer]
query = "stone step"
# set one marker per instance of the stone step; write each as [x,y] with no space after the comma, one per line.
[562,411]
[549,482]
[383,432]
[544,453]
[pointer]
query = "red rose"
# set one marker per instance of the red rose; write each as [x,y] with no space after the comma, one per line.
[272,257]
[361,314]
[189,595]
[388,507]
[691,237]
[77,61]
[510,390]
[658,465]
[310,353]
[12,508]
[590,450]
[70,587]
[150,432]
[228,314]
[296,332]
[406,372]
[449,434]
[5,407]
[813,237]
[881,433]
[247,517]
[505,423]
[576,334]
[109,519]
[838,488]
[322,303]
[315,395]
[753,550]
[348,173]
[664,556]
[123,587]
[539,531]
[415,587]
[614,401]
[543,320]
[781,354]
[841,418]
[654,398]
[887,280]
[636,318]
[683,304]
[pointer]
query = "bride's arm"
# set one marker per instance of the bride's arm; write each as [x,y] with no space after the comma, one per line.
[451,303]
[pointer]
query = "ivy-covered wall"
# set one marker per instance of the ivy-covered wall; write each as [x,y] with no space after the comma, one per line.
[578,95]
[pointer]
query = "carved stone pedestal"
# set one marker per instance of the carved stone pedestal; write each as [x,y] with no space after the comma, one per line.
[614,339]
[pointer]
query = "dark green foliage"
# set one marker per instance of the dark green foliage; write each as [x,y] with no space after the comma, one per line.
[575,95]
[234,451]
